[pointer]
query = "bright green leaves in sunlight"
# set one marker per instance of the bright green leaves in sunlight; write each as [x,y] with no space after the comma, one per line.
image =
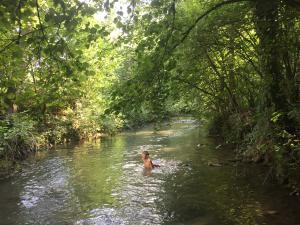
[57,67]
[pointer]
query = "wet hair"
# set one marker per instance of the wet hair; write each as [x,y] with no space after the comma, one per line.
[145,153]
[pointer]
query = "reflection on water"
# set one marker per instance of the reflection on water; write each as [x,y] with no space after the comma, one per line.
[105,183]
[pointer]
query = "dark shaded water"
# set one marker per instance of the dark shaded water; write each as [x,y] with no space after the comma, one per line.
[104,183]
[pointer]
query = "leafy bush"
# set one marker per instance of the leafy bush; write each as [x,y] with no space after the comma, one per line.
[263,137]
[17,136]
[111,124]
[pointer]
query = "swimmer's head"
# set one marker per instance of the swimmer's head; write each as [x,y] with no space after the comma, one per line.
[145,154]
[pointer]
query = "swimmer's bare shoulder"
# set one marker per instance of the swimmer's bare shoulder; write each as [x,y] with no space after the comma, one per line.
[147,161]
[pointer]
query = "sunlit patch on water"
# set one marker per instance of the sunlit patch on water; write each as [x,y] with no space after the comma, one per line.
[168,133]
[129,165]
[158,139]
[28,200]
[102,216]
[166,166]
[185,121]
[149,147]
[53,181]
[169,149]
[142,133]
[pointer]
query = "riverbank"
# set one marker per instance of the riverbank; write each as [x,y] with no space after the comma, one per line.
[263,141]
[22,134]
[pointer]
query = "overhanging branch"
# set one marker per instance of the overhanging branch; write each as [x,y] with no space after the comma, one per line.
[206,13]
[192,85]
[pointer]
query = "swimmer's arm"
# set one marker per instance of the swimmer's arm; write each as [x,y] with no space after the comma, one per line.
[154,165]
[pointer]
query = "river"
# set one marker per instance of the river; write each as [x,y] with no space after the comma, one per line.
[104,183]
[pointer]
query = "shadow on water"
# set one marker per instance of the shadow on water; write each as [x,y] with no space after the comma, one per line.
[105,183]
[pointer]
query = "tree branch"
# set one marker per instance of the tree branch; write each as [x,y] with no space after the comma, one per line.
[293,3]
[15,40]
[222,79]
[192,85]
[18,15]
[215,7]
[246,57]
[39,18]
[173,11]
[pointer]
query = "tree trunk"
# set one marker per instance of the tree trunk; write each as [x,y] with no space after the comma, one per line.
[268,30]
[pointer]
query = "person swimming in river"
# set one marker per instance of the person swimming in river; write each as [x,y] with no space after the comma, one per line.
[147,161]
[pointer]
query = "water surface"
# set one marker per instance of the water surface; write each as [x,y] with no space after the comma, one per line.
[104,183]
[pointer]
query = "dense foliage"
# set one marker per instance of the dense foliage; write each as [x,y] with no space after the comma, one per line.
[55,61]
[73,69]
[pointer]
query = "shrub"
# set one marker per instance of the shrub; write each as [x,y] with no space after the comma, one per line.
[17,136]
